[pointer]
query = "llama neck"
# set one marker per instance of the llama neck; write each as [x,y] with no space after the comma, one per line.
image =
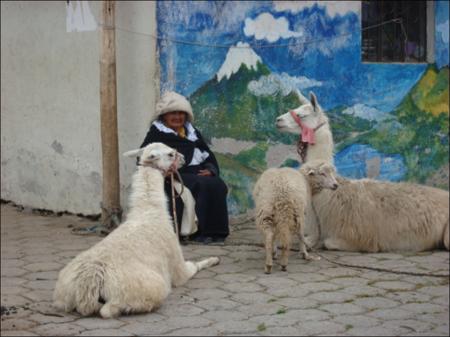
[312,187]
[315,188]
[147,190]
[323,147]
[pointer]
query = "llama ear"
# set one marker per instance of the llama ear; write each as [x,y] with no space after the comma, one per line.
[133,153]
[314,102]
[303,100]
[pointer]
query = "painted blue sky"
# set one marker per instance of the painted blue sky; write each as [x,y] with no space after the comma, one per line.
[317,41]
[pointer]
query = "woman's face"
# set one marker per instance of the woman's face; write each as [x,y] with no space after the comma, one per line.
[174,120]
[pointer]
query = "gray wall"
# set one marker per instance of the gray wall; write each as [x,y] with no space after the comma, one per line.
[50,104]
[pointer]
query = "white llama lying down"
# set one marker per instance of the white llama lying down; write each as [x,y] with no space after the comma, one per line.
[369,215]
[282,197]
[132,269]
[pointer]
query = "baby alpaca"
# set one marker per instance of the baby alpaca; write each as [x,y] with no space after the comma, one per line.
[282,197]
[132,269]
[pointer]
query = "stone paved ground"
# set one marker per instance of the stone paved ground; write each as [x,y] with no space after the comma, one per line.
[233,298]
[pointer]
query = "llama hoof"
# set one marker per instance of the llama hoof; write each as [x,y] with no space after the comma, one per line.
[283,268]
[268,269]
[309,243]
[312,257]
[109,311]
[216,260]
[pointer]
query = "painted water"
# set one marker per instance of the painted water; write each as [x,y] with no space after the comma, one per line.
[361,161]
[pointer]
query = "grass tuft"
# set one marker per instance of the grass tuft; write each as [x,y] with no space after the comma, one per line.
[261,327]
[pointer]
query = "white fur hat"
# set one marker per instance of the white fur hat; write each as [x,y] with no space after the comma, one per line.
[171,101]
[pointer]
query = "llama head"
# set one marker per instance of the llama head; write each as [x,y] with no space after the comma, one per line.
[320,175]
[158,156]
[309,112]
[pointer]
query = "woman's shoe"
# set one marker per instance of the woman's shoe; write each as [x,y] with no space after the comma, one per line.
[207,240]
[219,239]
[202,239]
[184,240]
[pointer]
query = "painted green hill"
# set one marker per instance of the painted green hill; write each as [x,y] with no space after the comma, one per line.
[240,180]
[346,127]
[429,95]
[420,131]
[227,108]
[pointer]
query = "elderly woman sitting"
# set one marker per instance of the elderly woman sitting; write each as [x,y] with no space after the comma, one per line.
[200,174]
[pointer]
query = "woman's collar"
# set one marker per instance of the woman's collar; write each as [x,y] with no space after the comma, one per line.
[190,131]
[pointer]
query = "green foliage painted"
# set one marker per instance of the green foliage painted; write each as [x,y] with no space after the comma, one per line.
[345,127]
[240,180]
[290,163]
[255,157]
[420,135]
[228,109]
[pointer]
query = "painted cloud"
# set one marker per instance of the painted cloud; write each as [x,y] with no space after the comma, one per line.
[365,112]
[265,26]
[284,84]
[333,7]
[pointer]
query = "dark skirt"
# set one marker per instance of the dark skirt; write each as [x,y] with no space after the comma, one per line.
[210,194]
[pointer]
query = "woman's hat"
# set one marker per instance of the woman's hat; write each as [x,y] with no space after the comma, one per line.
[172,101]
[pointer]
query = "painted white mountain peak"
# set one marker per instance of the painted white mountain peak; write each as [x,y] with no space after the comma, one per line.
[236,56]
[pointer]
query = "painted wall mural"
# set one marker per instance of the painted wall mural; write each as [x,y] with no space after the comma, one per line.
[239,61]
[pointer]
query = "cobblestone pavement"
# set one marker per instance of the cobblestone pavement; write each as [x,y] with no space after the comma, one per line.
[233,298]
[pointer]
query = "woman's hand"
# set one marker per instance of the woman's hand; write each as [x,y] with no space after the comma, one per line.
[205,173]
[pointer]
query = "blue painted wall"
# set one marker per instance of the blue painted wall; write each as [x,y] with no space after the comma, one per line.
[390,121]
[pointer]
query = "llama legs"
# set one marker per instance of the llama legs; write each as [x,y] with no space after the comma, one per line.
[269,244]
[300,223]
[303,250]
[338,244]
[206,263]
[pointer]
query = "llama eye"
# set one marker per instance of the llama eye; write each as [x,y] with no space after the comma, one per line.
[171,154]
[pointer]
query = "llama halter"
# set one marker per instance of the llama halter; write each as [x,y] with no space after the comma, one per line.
[307,136]
[172,170]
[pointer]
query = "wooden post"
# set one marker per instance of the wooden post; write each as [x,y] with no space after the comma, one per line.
[111,210]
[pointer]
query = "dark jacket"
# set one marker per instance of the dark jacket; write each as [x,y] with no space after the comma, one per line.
[185,147]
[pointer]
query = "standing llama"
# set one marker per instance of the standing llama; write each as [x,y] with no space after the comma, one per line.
[368,215]
[282,197]
[132,269]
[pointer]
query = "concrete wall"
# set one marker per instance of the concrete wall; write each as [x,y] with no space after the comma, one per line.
[50,104]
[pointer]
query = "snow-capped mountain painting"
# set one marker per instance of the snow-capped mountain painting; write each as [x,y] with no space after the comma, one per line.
[239,61]
[238,55]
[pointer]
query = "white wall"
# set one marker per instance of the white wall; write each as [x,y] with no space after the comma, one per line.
[50,105]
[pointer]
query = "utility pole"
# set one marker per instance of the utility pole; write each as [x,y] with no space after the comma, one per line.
[111,210]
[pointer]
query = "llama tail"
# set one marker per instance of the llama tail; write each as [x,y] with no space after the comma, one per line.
[89,288]
[79,288]
[284,217]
